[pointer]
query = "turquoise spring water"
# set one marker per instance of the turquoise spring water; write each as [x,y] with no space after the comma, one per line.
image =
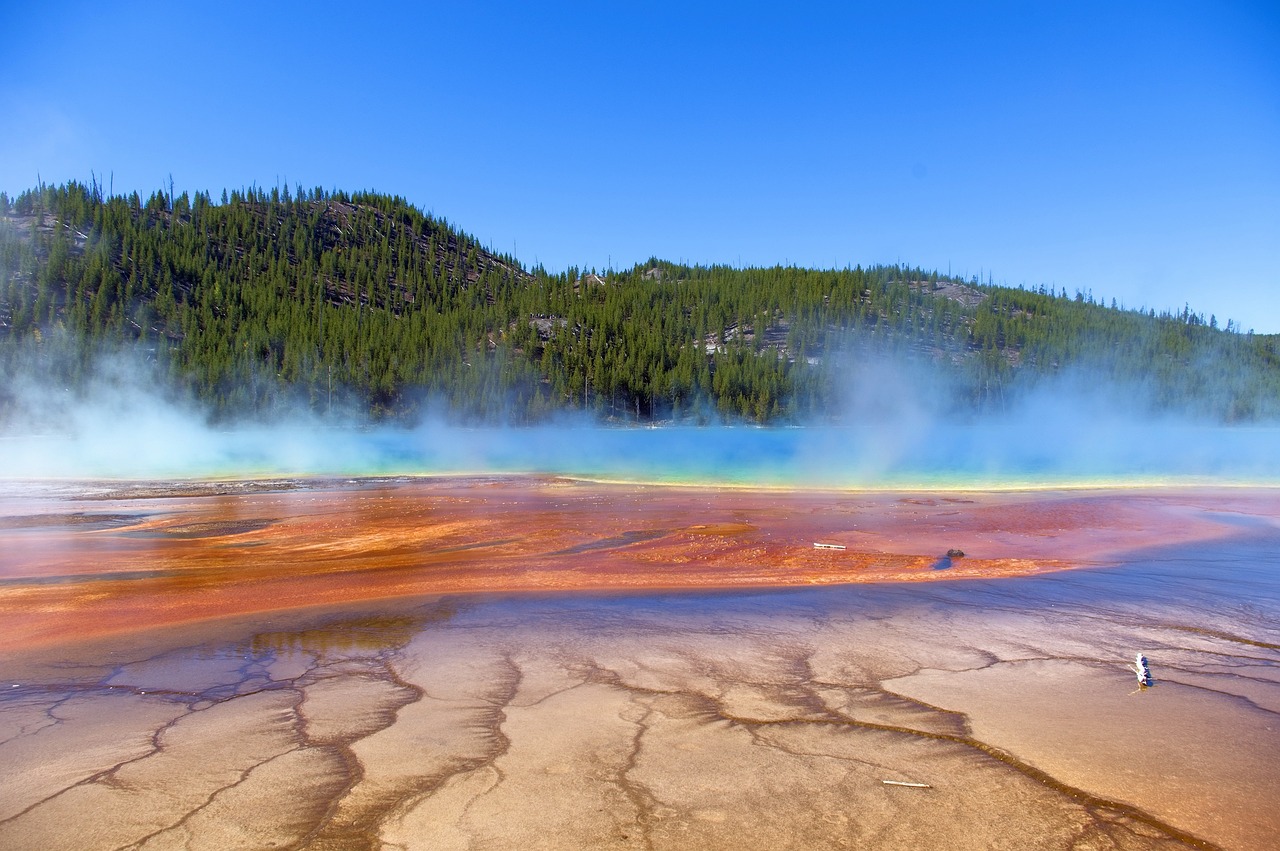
[937,455]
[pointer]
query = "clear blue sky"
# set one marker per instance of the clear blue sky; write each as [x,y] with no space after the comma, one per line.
[1131,149]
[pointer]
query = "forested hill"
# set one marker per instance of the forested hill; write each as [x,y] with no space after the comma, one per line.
[266,301]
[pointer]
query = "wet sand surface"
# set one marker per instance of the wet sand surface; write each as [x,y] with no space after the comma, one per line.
[486,663]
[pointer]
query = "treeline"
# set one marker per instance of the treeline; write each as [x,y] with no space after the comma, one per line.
[268,300]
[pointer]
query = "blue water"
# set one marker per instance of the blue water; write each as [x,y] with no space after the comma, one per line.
[935,454]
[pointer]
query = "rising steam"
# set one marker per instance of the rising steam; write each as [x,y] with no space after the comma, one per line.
[897,429]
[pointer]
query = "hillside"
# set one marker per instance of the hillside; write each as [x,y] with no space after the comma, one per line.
[266,302]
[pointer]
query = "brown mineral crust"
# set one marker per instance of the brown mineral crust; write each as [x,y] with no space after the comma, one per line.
[318,688]
[194,557]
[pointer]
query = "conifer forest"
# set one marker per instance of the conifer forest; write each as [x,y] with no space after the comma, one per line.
[262,303]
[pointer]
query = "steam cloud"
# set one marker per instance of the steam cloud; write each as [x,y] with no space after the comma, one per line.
[895,432]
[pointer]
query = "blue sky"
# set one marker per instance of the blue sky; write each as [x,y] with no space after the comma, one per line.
[1131,149]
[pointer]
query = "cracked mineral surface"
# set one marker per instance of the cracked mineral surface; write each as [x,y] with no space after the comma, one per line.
[548,664]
